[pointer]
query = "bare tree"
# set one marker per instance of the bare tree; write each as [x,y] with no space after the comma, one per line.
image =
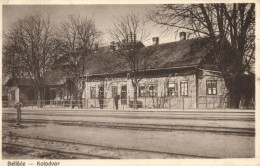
[29,50]
[234,23]
[128,33]
[77,38]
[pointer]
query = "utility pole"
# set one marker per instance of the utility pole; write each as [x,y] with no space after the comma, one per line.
[131,41]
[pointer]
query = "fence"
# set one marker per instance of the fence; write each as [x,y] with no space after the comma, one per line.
[186,102]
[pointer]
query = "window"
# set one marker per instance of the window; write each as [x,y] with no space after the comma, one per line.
[148,91]
[211,87]
[13,95]
[114,91]
[142,91]
[152,89]
[184,88]
[172,89]
[92,92]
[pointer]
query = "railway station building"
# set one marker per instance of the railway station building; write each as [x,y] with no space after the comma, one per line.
[179,74]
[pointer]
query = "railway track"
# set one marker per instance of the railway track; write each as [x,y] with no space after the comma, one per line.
[85,150]
[70,155]
[145,127]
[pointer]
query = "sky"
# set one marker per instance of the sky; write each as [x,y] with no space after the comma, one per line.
[102,14]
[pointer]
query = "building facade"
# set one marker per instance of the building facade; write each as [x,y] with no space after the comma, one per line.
[187,88]
[177,75]
[180,75]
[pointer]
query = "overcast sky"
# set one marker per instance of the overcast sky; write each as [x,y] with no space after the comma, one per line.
[102,14]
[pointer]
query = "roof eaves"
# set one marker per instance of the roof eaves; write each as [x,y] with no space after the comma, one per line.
[176,67]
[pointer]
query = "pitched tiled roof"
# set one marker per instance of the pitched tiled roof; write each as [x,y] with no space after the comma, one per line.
[18,82]
[54,77]
[169,55]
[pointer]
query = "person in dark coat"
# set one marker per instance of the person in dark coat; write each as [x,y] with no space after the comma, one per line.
[116,98]
[101,101]
[72,101]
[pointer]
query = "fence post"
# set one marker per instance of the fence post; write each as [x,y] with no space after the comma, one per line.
[169,103]
[197,102]
[214,102]
[206,102]
[183,103]
[157,102]
[113,104]
[145,101]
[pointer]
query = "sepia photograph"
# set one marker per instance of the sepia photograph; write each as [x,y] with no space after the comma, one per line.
[128,81]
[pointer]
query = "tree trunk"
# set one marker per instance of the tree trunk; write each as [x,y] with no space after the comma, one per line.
[39,102]
[135,97]
[234,99]
[231,68]
[244,90]
[135,86]
[80,103]
[233,88]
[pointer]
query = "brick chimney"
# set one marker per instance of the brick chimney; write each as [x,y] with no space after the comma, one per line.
[155,40]
[182,36]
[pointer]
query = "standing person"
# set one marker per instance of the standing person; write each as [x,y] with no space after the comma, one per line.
[80,104]
[101,97]
[116,98]
[19,113]
[72,101]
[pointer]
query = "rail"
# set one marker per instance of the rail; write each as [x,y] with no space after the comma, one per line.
[108,152]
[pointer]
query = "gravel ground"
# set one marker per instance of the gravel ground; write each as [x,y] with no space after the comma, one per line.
[184,142]
[176,141]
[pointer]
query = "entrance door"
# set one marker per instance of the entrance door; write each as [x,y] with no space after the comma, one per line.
[124,95]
